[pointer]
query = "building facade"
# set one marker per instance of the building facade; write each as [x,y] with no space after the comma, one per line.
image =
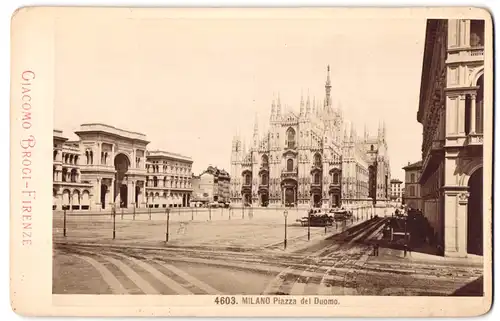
[168,182]
[412,195]
[212,185]
[69,192]
[308,158]
[397,189]
[451,111]
[108,167]
[222,181]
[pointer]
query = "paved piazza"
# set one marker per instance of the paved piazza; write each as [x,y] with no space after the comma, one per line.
[197,227]
[241,255]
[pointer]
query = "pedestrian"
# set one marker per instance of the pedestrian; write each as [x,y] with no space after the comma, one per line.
[376,248]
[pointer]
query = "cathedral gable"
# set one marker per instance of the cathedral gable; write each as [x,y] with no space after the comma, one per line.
[290,117]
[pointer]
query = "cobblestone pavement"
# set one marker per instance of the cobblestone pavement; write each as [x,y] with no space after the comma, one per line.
[339,265]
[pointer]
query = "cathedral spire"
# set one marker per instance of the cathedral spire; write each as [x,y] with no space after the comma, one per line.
[328,87]
[301,103]
[308,102]
[256,132]
[278,107]
[273,108]
[366,133]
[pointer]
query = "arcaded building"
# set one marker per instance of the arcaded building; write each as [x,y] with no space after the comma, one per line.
[111,166]
[309,157]
[451,111]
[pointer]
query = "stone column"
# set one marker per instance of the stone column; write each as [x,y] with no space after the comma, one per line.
[112,160]
[462,200]
[455,222]
[460,115]
[473,114]
[131,193]
[112,192]
[99,152]
[98,192]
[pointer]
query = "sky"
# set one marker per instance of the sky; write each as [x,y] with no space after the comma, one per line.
[189,84]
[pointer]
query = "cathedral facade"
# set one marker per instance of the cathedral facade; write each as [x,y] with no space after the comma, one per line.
[313,158]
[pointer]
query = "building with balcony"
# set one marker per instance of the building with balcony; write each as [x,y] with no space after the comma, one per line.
[69,192]
[307,158]
[108,166]
[397,189]
[412,197]
[451,111]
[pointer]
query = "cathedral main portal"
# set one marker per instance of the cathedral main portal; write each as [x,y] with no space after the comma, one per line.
[289,188]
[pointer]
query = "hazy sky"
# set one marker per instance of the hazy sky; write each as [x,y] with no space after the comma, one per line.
[188,84]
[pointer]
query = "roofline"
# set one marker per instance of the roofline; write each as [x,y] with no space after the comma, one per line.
[99,130]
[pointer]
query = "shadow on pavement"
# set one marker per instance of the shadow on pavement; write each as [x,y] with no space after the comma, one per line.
[474,288]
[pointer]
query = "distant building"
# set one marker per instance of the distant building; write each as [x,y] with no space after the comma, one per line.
[397,190]
[212,185]
[451,111]
[411,197]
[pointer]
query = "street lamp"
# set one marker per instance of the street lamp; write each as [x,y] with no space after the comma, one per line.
[167,211]
[285,214]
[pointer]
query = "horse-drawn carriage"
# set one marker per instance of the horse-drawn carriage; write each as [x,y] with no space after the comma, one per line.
[317,218]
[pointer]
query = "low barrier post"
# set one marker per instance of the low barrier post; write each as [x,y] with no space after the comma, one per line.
[113,210]
[167,211]
[64,224]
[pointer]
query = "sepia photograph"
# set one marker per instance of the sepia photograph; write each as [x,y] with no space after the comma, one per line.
[265,159]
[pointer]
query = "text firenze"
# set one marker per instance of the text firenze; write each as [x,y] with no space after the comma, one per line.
[28,142]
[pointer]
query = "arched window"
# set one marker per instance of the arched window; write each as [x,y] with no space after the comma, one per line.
[290,134]
[64,175]
[335,178]
[155,181]
[248,179]
[289,165]
[264,179]
[316,178]
[74,175]
[55,154]
[412,191]
[371,148]
[265,161]
[412,178]
[317,160]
